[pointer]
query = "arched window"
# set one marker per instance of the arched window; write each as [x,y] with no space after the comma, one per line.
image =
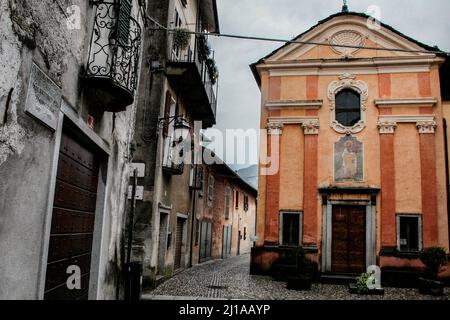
[348,107]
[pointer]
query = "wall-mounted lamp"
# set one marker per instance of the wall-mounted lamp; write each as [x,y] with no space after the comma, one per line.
[181,127]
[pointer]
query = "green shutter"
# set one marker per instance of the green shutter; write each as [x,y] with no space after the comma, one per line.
[123,24]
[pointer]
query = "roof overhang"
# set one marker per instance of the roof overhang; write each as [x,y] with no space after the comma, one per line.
[210,15]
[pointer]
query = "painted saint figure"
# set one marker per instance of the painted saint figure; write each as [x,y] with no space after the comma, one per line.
[349,162]
[346,162]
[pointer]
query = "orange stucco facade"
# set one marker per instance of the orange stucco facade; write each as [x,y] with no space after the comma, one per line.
[401,164]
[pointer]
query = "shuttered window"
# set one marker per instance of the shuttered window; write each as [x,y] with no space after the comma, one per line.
[200,179]
[167,113]
[210,188]
[123,24]
[227,203]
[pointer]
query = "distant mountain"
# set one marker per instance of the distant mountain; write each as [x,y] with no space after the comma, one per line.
[249,174]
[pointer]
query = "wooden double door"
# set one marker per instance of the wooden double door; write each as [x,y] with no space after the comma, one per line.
[73,218]
[348,239]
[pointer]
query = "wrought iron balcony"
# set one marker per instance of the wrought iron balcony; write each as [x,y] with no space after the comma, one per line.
[112,68]
[188,72]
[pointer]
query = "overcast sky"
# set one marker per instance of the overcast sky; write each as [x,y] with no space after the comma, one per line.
[239,96]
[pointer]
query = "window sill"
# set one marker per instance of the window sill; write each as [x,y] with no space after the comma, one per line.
[389,252]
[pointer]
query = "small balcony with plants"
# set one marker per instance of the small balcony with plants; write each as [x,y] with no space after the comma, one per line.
[193,73]
[111,73]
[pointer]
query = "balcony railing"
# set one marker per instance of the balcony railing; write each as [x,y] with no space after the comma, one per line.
[206,103]
[112,66]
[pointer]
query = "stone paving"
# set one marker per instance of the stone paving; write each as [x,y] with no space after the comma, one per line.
[230,279]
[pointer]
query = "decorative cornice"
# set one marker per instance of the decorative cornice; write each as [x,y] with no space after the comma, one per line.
[426,124]
[291,120]
[274,128]
[285,104]
[335,67]
[426,127]
[406,118]
[277,71]
[409,102]
[311,127]
[387,127]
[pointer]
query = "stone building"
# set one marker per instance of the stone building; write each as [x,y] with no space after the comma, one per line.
[69,72]
[225,213]
[360,139]
[178,86]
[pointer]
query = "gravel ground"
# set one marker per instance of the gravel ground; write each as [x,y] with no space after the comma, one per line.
[230,279]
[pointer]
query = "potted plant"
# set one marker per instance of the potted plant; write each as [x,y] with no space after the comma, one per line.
[302,278]
[181,38]
[212,70]
[203,48]
[434,259]
[362,285]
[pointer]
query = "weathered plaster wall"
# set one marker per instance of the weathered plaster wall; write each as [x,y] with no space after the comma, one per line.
[32,31]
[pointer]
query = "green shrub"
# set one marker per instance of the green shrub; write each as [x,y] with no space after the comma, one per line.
[434,258]
[361,283]
[203,47]
[212,70]
[181,38]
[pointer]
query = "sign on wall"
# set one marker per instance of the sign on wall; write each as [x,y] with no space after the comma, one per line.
[348,160]
[43,98]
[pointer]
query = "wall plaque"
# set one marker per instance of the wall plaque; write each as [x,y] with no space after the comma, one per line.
[43,98]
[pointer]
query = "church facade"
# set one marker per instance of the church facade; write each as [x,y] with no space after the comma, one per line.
[356,146]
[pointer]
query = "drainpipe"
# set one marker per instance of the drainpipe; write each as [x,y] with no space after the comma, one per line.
[447,175]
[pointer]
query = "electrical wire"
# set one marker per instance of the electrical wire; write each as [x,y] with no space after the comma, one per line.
[243,37]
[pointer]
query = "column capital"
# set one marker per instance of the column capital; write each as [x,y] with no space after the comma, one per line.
[311,127]
[387,127]
[426,126]
[275,128]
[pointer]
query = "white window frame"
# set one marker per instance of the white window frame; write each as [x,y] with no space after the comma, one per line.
[419,226]
[300,232]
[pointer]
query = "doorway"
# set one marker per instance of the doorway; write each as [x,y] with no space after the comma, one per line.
[348,239]
[206,241]
[179,243]
[162,243]
[72,225]
[226,242]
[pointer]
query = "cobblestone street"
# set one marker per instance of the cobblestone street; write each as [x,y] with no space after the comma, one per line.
[230,279]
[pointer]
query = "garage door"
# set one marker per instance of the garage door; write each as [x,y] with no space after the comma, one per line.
[73,219]
[179,243]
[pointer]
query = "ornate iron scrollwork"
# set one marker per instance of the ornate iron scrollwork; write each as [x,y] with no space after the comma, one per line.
[108,57]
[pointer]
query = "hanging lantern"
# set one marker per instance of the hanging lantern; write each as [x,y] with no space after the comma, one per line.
[182,129]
